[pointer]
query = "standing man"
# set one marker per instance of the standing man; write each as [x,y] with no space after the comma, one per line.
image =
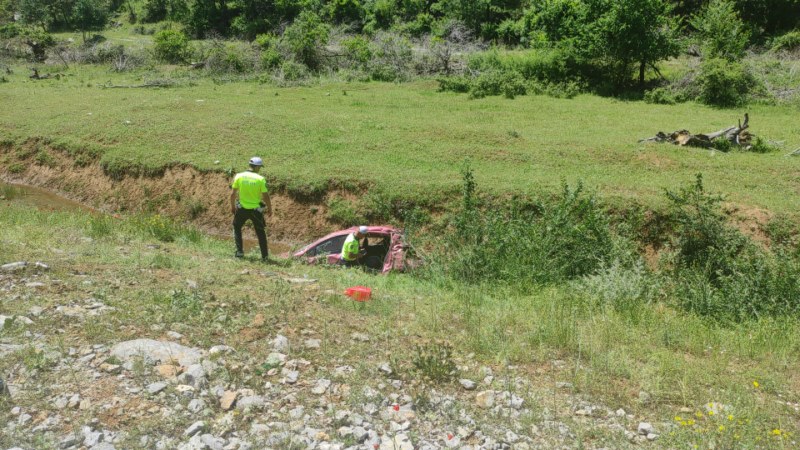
[249,200]
[351,253]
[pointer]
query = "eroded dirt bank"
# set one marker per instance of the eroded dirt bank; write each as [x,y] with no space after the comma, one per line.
[182,192]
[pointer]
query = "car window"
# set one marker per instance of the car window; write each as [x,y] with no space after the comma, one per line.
[332,245]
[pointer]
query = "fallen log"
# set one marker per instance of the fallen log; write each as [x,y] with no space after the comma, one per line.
[737,135]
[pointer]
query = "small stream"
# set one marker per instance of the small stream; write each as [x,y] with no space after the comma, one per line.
[45,200]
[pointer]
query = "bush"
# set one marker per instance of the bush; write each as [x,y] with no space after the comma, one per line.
[720,273]
[724,83]
[231,58]
[392,58]
[306,38]
[292,71]
[171,46]
[660,96]
[528,244]
[509,84]
[788,42]
[459,84]
[722,32]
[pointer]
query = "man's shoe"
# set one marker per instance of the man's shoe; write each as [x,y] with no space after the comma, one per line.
[239,255]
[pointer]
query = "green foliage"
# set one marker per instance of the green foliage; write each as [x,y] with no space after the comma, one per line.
[624,35]
[456,83]
[90,15]
[724,83]
[306,38]
[719,272]
[162,228]
[761,145]
[788,42]
[528,244]
[509,84]
[434,362]
[660,96]
[171,46]
[292,71]
[346,11]
[100,225]
[160,10]
[722,32]
[358,52]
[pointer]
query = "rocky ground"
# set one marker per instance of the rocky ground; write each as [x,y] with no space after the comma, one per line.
[160,389]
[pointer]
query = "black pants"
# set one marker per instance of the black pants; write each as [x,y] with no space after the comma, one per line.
[243,215]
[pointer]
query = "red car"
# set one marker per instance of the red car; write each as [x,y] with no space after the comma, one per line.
[384,249]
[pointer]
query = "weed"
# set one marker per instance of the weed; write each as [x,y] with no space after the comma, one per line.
[162,261]
[434,362]
[17,168]
[100,226]
[194,209]
[9,192]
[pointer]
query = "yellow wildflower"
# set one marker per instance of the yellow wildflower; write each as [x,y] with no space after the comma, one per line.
[730,417]
[711,413]
[722,428]
[776,432]
[698,414]
[690,422]
[755,384]
[678,418]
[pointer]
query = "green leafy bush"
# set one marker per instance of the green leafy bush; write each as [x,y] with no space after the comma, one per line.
[787,42]
[456,83]
[434,362]
[306,38]
[722,32]
[724,83]
[660,96]
[171,46]
[509,84]
[528,244]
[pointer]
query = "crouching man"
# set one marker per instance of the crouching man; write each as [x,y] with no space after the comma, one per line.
[351,250]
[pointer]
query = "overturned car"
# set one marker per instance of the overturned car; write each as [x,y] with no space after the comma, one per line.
[384,248]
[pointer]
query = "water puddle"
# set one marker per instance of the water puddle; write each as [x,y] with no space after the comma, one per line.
[45,200]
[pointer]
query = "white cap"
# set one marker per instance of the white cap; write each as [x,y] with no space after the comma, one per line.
[362,229]
[256,161]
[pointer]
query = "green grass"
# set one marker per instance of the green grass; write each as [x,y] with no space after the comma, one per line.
[408,140]
[610,353]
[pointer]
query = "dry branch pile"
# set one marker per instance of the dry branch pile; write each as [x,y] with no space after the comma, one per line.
[736,135]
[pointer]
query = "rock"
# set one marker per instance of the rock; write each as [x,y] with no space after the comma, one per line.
[74,401]
[196,405]
[14,266]
[155,388]
[312,343]
[68,441]
[194,376]
[220,349]
[385,368]
[195,428]
[620,412]
[517,402]
[291,376]
[399,442]
[185,390]
[281,344]
[156,351]
[564,385]
[645,428]
[251,402]
[361,337]
[174,335]
[191,284]
[111,368]
[227,400]
[275,360]
[652,436]
[321,387]
[467,384]
[103,446]
[91,438]
[485,399]
[644,397]
[167,371]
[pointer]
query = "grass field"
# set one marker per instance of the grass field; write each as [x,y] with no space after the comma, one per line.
[408,140]
[701,384]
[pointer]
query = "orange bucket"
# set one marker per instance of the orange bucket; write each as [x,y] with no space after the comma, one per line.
[359,293]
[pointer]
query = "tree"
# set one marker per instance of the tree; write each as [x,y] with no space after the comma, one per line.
[625,34]
[90,15]
[721,31]
[306,37]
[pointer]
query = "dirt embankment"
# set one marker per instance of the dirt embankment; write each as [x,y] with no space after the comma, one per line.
[182,192]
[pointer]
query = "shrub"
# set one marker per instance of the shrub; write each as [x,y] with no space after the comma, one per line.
[293,71]
[528,244]
[788,42]
[306,38]
[231,58]
[434,362]
[761,145]
[722,32]
[392,58]
[357,51]
[171,46]
[724,83]
[460,84]
[509,84]
[660,96]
